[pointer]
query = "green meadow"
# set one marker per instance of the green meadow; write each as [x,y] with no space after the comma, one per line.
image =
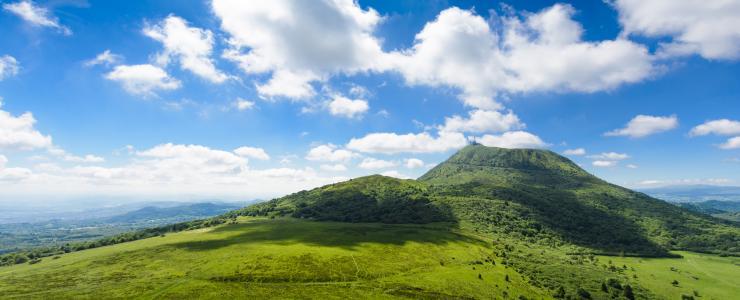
[702,276]
[281,258]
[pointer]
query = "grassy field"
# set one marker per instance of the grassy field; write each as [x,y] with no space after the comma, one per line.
[283,258]
[710,276]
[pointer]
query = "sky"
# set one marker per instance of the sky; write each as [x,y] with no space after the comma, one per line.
[239,100]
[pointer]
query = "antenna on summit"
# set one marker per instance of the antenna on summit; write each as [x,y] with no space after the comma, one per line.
[473,142]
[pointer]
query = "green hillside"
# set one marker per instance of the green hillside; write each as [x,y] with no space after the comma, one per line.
[484,215]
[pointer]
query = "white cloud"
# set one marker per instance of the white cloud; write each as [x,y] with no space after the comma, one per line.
[732,143]
[280,37]
[610,156]
[575,152]
[242,104]
[19,132]
[3,161]
[84,159]
[642,126]
[191,46]
[105,58]
[719,127]
[390,143]
[708,28]
[542,52]
[8,66]
[479,121]
[167,170]
[334,168]
[348,108]
[36,15]
[512,139]
[359,91]
[395,174]
[143,80]
[632,166]
[329,152]
[604,163]
[413,163]
[252,152]
[370,163]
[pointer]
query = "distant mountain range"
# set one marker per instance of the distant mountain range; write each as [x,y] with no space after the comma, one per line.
[15,236]
[695,193]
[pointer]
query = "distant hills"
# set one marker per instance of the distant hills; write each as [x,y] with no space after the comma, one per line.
[695,193]
[14,236]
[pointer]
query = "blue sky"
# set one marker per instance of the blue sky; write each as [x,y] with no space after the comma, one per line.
[238,100]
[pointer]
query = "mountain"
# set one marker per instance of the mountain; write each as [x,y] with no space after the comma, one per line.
[174,214]
[486,223]
[536,195]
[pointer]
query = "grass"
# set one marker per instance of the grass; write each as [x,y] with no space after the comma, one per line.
[281,258]
[712,277]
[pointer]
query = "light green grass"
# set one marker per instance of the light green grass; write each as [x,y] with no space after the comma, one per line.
[282,258]
[713,277]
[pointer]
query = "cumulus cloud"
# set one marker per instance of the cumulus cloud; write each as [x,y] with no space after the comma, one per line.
[608,159]
[329,152]
[18,132]
[395,174]
[190,46]
[707,28]
[8,66]
[610,156]
[36,15]
[575,152]
[252,152]
[718,127]
[105,58]
[479,121]
[242,104]
[334,168]
[544,51]
[348,108]
[143,80]
[604,163]
[174,170]
[370,163]
[732,143]
[512,139]
[642,126]
[279,38]
[391,143]
[413,163]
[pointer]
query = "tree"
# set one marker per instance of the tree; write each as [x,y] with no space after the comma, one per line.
[674,282]
[560,293]
[628,292]
[584,294]
[506,278]
[604,288]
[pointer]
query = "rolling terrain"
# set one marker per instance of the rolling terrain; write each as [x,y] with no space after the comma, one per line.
[487,223]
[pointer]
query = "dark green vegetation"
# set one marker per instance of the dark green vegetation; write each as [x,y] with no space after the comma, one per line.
[20,236]
[487,223]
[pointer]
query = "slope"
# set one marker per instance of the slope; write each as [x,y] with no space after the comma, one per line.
[280,258]
[559,198]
